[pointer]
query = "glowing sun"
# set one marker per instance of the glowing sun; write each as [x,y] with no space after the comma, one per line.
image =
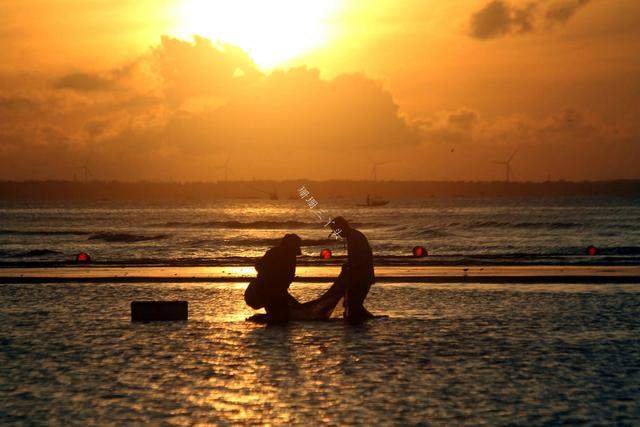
[270,31]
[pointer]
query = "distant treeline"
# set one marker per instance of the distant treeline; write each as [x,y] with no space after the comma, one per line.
[194,191]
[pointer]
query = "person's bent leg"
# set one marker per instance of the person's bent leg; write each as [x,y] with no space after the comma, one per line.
[252,295]
[277,306]
[353,301]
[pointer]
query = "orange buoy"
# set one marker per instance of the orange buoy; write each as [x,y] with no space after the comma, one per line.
[325,253]
[83,258]
[420,251]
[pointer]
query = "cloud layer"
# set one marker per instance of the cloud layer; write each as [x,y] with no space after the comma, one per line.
[500,18]
[181,108]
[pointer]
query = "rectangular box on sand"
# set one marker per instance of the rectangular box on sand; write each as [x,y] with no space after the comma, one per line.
[149,311]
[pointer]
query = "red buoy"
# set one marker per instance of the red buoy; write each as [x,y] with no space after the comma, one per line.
[592,250]
[420,251]
[325,253]
[83,258]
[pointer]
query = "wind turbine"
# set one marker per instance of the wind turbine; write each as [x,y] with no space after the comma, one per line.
[226,168]
[86,172]
[507,165]
[374,168]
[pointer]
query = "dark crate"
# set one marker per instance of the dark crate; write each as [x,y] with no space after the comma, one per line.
[152,311]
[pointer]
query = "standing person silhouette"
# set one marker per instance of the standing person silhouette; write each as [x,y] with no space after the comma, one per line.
[358,272]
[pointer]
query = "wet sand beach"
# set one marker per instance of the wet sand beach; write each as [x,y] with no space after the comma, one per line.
[459,353]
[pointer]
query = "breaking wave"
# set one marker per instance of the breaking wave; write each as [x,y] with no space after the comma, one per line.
[36,253]
[526,225]
[125,237]
[432,233]
[44,232]
[256,225]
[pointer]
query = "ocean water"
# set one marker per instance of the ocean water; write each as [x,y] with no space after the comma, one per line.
[457,354]
[454,230]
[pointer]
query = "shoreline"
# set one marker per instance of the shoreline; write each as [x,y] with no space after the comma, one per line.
[323,274]
[385,261]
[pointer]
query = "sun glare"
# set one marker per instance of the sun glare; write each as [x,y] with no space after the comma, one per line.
[271,32]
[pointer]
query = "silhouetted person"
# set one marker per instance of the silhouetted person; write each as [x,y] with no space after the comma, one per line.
[357,273]
[276,270]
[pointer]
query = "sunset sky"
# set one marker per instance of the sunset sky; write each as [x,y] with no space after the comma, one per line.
[169,90]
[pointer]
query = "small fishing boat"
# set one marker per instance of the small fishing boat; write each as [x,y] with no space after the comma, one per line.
[374,202]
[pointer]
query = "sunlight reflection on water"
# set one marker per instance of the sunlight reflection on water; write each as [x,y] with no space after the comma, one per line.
[449,354]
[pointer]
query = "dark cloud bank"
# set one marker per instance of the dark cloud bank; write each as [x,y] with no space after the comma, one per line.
[501,18]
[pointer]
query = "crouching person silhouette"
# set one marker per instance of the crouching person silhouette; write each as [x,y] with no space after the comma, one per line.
[270,289]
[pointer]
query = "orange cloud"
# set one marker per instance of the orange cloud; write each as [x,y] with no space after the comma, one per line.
[186,104]
[178,111]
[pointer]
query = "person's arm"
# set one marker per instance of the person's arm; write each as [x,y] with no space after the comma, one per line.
[259,265]
[287,272]
[291,272]
[262,264]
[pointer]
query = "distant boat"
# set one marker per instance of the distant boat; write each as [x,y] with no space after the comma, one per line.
[273,195]
[373,202]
